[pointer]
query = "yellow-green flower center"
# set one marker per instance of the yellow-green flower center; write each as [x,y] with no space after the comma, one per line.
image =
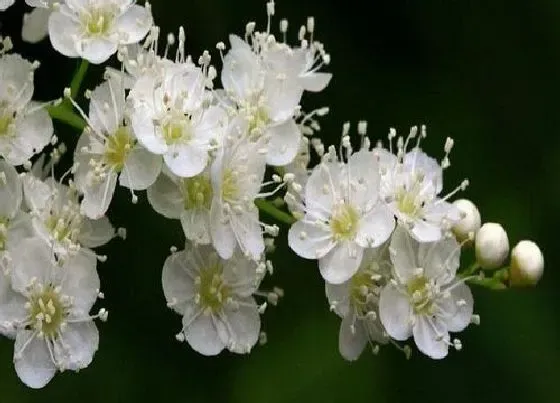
[419,291]
[97,21]
[46,311]
[118,147]
[177,129]
[7,119]
[197,192]
[230,188]
[258,120]
[4,221]
[344,222]
[211,289]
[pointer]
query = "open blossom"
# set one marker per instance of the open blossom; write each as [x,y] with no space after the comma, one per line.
[57,218]
[185,199]
[4,4]
[171,118]
[411,184]
[214,296]
[237,174]
[108,150]
[45,307]
[357,302]
[25,126]
[94,29]
[425,298]
[343,215]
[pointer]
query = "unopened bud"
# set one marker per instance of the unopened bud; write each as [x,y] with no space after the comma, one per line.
[527,264]
[470,221]
[491,246]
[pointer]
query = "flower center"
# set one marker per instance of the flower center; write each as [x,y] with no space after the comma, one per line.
[118,147]
[46,310]
[197,192]
[212,291]
[420,294]
[97,21]
[344,222]
[177,129]
[66,223]
[229,186]
[363,285]
[7,120]
[258,121]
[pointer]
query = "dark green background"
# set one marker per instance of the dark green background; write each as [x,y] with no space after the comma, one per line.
[485,72]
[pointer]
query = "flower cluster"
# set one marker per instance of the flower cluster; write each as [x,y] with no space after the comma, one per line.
[388,240]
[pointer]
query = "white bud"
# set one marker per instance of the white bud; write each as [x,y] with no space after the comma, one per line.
[470,221]
[527,264]
[491,246]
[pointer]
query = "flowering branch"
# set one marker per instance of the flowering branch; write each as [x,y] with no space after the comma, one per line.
[274,212]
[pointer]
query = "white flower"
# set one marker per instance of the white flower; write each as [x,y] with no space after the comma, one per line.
[25,127]
[343,215]
[93,29]
[357,303]
[170,118]
[214,296]
[58,221]
[425,298]
[36,23]
[527,264]
[491,245]
[46,307]
[299,168]
[185,199]
[237,174]
[108,150]
[411,184]
[265,93]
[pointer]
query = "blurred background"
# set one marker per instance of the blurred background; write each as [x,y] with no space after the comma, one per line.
[486,73]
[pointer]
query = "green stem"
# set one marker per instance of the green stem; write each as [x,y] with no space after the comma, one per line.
[274,212]
[65,115]
[78,78]
[469,271]
[491,283]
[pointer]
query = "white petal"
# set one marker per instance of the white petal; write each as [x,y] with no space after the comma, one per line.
[196,225]
[341,263]
[338,296]
[320,193]
[202,335]
[96,50]
[34,132]
[240,69]
[179,272]
[430,339]
[98,197]
[187,160]
[32,259]
[417,161]
[243,326]
[4,4]
[405,254]
[424,231]
[458,308]
[134,24]
[62,31]
[315,82]
[36,25]
[395,313]
[376,227]
[309,240]
[352,338]
[80,342]
[282,96]
[140,169]
[146,133]
[248,232]
[12,307]
[95,233]
[78,279]
[10,191]
[36,193]
[440,260]
[17,84]
[223,237]
[34,367]
[107,106]
[166,198]
[241,274]
[283,144]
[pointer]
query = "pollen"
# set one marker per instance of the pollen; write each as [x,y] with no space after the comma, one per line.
[46,311]
[212,292]
[197,192]
[344,222]
[98,21]
[118,147]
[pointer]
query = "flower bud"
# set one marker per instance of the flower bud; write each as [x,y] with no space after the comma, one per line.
[491,246]
[527,264]
[470,221]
